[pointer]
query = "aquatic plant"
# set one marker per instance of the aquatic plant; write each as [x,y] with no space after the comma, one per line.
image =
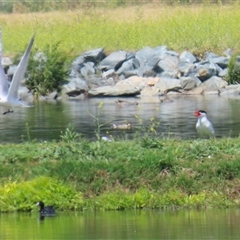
[69,135]
[97,120]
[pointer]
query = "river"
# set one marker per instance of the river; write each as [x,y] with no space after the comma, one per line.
[124,225]
[47,119]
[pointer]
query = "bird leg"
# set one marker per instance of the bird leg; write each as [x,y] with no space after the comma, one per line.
[8,111]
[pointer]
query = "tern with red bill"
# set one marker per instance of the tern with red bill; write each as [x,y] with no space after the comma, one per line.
[204,126]
[9,90]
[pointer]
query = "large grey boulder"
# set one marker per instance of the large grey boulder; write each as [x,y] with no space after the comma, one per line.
[204,72]
[223,73]
[128,67]
[140,82]
[168,66]
[188,70]
[188,83]
[187,58]
[112,60]
[144,56]
[109,73]
[77,64]
[150,91]
[95,55]
[214,83]
[167,84]
[87,61]
[117,90]
[160,51]
[95,82]
[131,86]
[194,91]
[230,90]
[148,59]
[75,86]
[221,61]
[136,82]
[186,65]
[87,70]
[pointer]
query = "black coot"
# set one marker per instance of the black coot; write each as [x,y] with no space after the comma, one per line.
[47,211]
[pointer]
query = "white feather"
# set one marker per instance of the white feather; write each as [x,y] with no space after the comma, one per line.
[9,93]
[204,126]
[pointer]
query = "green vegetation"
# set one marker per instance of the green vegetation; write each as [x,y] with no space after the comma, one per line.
[63,35]
[233,70]
[47,70]
[23,196]
[197,28]
[146,172]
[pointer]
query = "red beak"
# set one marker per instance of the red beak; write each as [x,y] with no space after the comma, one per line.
[197,114]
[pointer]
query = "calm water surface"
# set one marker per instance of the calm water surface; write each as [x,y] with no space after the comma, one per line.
[46,120]
[210,224]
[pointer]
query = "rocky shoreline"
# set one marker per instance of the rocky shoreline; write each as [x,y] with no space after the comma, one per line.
[147,72]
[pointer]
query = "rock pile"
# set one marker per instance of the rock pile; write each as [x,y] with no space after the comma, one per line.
[148,72]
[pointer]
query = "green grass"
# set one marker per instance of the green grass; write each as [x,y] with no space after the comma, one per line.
[197,28]
[139,173]
[142,173]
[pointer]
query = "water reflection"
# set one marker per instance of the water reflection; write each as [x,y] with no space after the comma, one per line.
[46,120]
[210,224]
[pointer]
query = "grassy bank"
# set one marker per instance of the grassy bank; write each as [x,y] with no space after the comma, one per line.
[141,173]
[197,28]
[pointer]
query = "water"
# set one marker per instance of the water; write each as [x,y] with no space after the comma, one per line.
[46,120]
[210,224]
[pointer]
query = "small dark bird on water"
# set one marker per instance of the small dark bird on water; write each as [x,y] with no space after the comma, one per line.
[47,211]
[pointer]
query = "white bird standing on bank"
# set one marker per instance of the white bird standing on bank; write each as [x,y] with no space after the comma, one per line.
[9,90]
[204,126]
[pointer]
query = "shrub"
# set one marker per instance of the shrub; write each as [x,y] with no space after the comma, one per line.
[233,70]
[47,70]
[23,196]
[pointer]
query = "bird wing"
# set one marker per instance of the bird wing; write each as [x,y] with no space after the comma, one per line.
[4,84]
[204,127]
[210,127]
[19,74]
